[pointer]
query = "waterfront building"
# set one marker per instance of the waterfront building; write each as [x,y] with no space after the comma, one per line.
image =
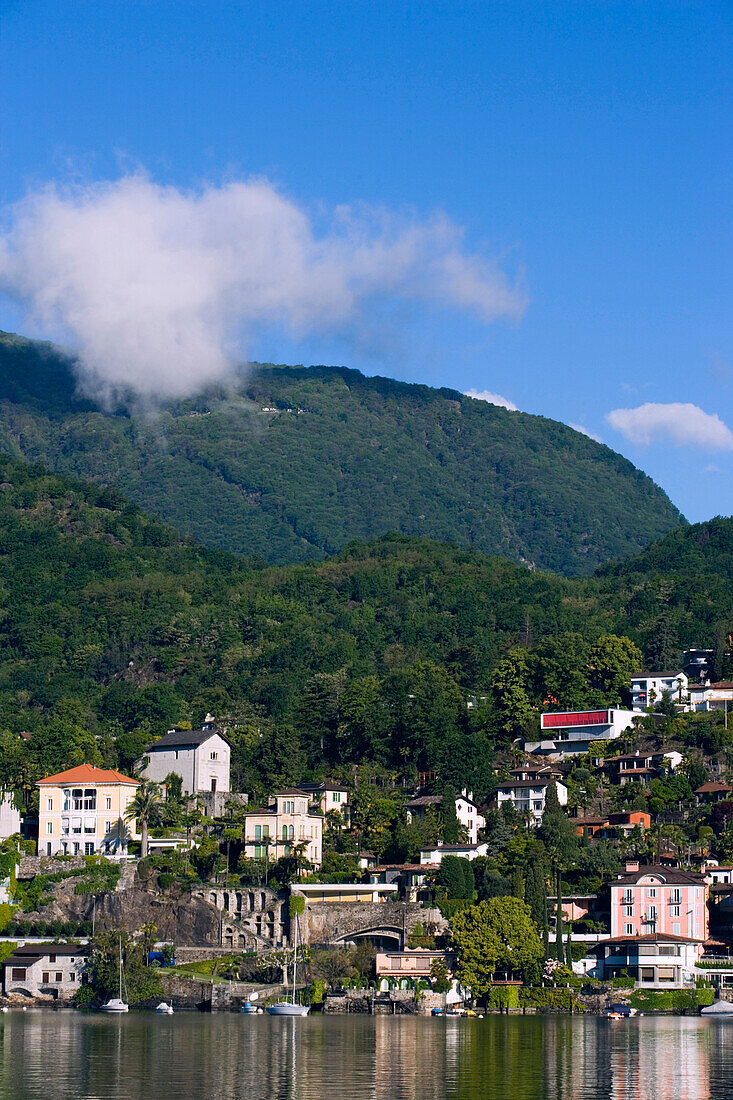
[647,900]
[53,970]
[657,959]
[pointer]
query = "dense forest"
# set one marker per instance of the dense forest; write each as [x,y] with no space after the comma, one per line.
[293,463]
[113,627]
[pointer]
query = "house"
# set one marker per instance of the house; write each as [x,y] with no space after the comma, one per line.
[696,663]
[338,893]
[200,757]
[366,860]
[462,851]
[287,821]
[656,959]
[613,824]
[707,697]
[410,879]
[719,875]
[713,792]
[9,815]
[649,899]
[82,810]
[467,812]
[49,969]
[528,797]
[329,796]
[648,687]
[411,965]
[571,733]
[639,766]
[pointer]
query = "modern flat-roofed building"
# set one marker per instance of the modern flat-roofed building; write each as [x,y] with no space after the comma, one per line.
[570,733]
[82,811]
[528,797]
[648,688]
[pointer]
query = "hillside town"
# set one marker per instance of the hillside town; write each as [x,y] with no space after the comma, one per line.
[601,868]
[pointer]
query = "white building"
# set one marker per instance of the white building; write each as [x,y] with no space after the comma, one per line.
[648,687]
[528,796]
[462,851]
[200,757]
[9,816]
[51,969]
[708,697]
[570,733]
[467,812]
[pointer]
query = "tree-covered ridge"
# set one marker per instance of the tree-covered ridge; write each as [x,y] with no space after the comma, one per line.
[296,462]
[113,628]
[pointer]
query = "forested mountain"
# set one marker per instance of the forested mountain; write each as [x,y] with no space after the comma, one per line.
[295,463]
[113,627]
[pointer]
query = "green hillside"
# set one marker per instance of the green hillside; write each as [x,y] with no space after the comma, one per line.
[298,462]
[113,627]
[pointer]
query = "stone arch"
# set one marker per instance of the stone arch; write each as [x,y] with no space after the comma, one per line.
[225,901]
[239,902]
[263,900]
[214,899]
[251,900]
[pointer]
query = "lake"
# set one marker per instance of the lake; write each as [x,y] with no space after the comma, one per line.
[64,1055]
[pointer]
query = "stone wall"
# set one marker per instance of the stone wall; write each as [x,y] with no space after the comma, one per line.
[325,922]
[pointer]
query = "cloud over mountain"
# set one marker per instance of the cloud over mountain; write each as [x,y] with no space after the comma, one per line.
[492,398]
[159,290]
[677,422]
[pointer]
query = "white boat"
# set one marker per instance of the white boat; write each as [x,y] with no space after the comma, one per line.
[289,1007]
[164,1009]
[116,1004]
[718,1008]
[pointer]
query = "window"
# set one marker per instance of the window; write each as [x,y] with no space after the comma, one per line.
[627,897]
[45,977]
[48,848]
[651,913]
[265,832]
[64,826]
[49,826]
[628,910]
[76,848]
[89,848]
[108,802]
[676,928]
[628,929]
[49,804]
[285,832]
[258,832]
[59,976]
[18,974]
[215,756]
[675,896]
[108,826]
[90,798]
[291,832]
[52,958]
[72,976]
[675,910]
[646,973]
[668,949]
[259,851]
[651,892]
[665,973]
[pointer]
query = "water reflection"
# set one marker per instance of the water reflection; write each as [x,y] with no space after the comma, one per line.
[66,1056]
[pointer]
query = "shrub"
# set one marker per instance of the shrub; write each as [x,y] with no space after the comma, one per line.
[561,1000]
[622,981]
[503,996]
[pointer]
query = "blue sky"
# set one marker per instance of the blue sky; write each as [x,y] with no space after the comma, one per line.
[584,149]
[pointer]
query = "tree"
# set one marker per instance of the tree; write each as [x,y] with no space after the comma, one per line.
[613,660]
[498,934]
[535,891]
[451,826]
[440,976]
[456,877]
[515,715]
[145,808]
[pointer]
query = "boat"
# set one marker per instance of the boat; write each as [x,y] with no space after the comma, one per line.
[718,1008]
[164,1009]
[116,1004]
[250,1010]
[290,1007]
[620,1012]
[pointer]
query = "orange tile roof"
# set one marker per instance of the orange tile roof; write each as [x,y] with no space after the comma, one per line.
[87,773]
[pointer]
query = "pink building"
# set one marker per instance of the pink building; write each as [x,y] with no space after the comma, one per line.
[650,900]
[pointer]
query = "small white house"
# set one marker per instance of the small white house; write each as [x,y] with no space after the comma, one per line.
[200,757]
[50,969]
[467,812]
[528,797]
[463,851]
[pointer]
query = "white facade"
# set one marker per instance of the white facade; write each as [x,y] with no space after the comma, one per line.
[463,851]
[9,816]
[647,689]
[53,970]
[570,733]
[529,797]
[712,697]
[200,757]
[467,812]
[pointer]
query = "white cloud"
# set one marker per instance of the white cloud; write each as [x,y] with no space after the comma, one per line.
[711,468]
[584,431]
[158,288]
[492,398]
[677,422]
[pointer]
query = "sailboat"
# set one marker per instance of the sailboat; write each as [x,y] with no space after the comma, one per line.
[289,1007]
[116,1004]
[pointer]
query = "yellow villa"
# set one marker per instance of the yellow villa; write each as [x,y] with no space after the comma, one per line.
[82,811]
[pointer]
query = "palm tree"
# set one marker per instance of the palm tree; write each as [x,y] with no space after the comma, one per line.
[145,807]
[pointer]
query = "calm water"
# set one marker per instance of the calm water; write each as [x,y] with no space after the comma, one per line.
[66,1056]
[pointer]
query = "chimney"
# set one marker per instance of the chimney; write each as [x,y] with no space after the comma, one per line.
[631,865]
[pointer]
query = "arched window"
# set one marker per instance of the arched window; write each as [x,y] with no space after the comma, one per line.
[291,832]
[285,832]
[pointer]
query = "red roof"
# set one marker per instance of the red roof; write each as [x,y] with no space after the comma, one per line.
[711,788]
[87,773]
